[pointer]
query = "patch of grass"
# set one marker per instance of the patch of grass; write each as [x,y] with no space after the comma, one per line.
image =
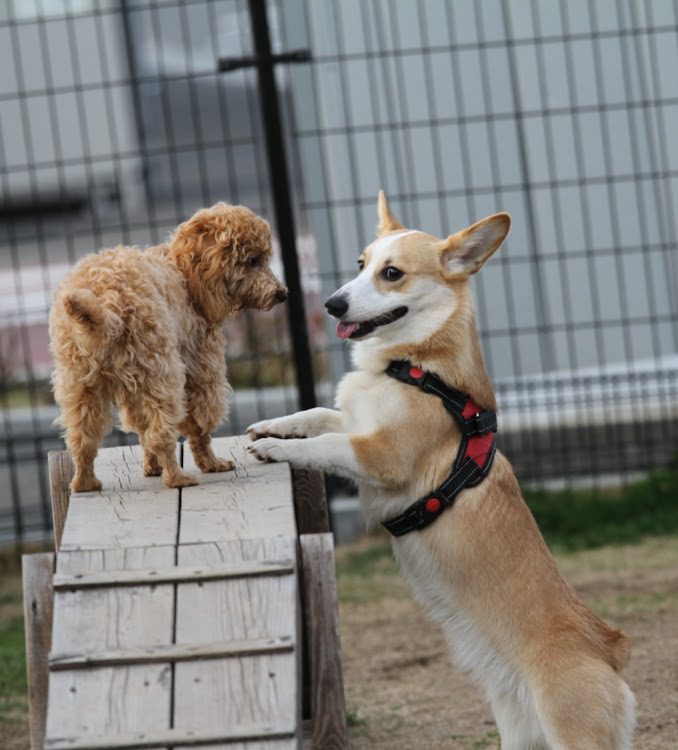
[354,717]
[12,661]
[13,683]
[583,519]
[489,740]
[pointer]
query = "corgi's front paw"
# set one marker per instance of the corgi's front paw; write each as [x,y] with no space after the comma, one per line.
[273,449]
[283,427]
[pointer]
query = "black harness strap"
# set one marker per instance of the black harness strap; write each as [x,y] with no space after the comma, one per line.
[474,458]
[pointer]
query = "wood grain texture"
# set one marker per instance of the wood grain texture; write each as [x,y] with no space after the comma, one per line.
[130,511]
[111,700]
[250,502]
[61,471]
[321,621]
[248,690]
[38,613]
[153,576]
[310,502]
[185,738]
[171,653]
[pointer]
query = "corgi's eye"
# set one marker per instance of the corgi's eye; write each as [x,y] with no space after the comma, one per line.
[392,273]
[361,263]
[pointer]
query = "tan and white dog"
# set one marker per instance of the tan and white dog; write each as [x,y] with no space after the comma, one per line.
[548,665]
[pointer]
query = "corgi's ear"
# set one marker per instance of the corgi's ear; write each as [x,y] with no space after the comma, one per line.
[387,221]
[465,252]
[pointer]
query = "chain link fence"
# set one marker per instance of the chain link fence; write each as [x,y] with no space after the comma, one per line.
[116,124]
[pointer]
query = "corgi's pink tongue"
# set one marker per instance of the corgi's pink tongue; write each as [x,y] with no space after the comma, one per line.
[344,330]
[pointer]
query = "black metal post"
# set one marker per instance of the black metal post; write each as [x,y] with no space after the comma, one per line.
[265,62]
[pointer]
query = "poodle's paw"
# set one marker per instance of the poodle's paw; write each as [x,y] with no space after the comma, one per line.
[282,427]
[180,479]
[85,482]
[215,465]
[152,467]
[275,450]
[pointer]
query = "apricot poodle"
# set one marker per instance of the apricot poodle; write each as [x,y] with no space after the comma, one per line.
[142,331]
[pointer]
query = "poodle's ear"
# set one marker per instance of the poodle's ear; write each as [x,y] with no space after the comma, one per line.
[200,259]
[387,221]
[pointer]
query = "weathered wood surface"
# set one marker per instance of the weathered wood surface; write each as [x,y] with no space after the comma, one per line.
[61,472]
[130,511]
[137,526]
[328,707]
[38,606]
[310,502]
[251,502]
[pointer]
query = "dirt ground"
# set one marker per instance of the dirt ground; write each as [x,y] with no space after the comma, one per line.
[403,694]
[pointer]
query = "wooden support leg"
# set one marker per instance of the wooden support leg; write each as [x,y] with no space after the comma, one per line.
[61,471]
[310,501]
[38,607]
[321,614]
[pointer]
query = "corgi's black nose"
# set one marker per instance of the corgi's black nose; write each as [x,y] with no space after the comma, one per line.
[337,305]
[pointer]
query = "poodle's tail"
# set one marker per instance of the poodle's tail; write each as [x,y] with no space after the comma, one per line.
[95,319]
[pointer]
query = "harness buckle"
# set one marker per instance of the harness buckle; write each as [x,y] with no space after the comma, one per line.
[481,422]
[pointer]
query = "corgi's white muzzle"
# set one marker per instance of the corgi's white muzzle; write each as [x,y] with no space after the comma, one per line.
[338,305]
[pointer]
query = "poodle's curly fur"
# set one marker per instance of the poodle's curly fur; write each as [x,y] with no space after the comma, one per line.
[142,331]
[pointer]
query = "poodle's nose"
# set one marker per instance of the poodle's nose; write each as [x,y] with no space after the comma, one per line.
[282,296]
[337,305]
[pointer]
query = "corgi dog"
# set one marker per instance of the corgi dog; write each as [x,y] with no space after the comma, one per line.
[462,534]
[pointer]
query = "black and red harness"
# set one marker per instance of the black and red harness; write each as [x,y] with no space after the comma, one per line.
[474,458]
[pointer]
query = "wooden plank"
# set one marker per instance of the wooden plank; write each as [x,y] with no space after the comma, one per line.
[321,620]
[310,501]
[178,738]
[232,692]
[61,472]
[111,700]
[38,611]
[253,501]
[153,576]
[176,652]
[130,511]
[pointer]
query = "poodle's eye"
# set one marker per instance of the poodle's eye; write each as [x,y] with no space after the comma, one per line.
[392,273]
[254,260]
[361,263]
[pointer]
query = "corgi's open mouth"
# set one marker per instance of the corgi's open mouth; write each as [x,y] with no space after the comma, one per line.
[356,330]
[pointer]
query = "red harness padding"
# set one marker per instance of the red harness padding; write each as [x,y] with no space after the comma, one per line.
[474,457]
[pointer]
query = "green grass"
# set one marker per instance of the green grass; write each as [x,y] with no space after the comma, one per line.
[584,519]
[570,520]
[13,683]
[12,664]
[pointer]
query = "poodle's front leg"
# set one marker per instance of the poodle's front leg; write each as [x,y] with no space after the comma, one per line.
[331,452]
[304,424]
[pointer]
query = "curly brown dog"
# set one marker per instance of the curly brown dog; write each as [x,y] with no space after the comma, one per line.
[142,330]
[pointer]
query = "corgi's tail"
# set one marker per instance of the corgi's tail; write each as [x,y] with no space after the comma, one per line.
[619,649]
[95,319]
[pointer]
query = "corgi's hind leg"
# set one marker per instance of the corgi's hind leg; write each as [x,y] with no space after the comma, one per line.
[518,723]
[587,707]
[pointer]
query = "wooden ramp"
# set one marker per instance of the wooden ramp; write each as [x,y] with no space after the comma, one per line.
[197,617]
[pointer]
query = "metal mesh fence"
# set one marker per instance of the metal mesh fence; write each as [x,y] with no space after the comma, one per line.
[116,124]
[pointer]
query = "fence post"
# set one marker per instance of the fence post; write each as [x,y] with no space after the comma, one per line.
[265,61]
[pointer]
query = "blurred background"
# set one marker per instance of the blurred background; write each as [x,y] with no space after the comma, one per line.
[119,118]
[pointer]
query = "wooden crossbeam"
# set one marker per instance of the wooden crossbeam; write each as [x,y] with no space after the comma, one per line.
[175,738]
[172,653]
[153,576]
